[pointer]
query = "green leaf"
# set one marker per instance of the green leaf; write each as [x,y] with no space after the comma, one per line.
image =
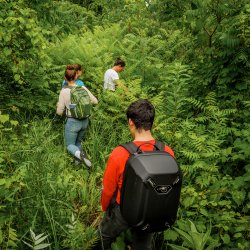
[7,52]
[2,182]
[204,212]
[193,227]
[4,118]
[170,235]
[27,244]
[39,236]
[11,243]
[41,246]
[1,236]
[14,123]
[185,236]
[241,86]
[187,202]
[238,235]
[197,240]
[206,236]
[225,238]
[33,236]
[17,77]
[177,247]
[40,240]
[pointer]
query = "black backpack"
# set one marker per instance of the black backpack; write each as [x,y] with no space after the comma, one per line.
[151,188]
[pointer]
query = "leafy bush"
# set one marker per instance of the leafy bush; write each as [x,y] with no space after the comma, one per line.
[190,59]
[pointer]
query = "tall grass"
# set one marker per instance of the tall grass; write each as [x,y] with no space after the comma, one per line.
[52,187]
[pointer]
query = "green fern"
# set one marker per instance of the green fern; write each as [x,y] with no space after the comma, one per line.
[194,239]
[37,241]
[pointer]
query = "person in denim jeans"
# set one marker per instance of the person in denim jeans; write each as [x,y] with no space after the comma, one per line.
[74,128]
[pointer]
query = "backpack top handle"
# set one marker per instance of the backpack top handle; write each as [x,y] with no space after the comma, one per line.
[134,149]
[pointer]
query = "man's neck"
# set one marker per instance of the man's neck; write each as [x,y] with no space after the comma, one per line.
[115,68]
[143,135]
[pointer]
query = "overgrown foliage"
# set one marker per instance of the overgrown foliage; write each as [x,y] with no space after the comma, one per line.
[190,58]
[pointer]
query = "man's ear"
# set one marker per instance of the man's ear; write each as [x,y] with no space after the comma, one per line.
[130,122]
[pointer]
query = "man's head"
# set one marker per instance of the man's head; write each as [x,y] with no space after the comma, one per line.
[142,114]
[119,65]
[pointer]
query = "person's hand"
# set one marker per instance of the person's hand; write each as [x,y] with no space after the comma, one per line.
[122,85]
[58,118]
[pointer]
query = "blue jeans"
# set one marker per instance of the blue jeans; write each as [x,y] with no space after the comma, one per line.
[74,133]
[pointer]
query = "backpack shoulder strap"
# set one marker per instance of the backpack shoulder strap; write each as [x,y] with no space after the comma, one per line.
[130,147]
[71,87]
[160,145]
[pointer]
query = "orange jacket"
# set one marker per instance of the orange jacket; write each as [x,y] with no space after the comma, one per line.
[113,175]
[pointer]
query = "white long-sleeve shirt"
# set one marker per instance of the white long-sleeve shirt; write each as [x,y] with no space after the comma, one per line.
[64,100]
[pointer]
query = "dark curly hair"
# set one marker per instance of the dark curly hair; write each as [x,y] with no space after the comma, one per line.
[142,113]
[120,62]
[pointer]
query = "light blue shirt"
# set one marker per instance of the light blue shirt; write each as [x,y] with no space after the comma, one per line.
[78,82]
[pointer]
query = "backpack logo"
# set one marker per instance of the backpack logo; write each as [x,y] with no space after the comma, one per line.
[160,189]
[80,106]
[163,189]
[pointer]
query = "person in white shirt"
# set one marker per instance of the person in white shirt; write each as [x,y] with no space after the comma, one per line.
[111,77]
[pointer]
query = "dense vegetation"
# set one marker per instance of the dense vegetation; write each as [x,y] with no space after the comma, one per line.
[190,58]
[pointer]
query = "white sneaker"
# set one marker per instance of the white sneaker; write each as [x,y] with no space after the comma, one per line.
[86,161]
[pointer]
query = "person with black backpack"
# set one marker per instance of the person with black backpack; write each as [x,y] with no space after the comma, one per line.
[137,184]
[77,102]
